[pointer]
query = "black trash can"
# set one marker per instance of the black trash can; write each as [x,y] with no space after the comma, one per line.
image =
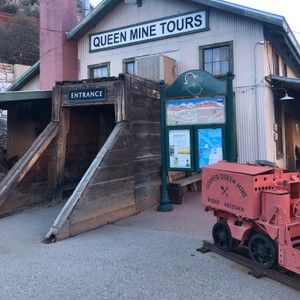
[175,193]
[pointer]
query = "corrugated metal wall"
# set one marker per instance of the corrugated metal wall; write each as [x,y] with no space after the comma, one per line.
[224,27]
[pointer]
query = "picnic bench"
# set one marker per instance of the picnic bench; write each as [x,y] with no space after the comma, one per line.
[180,182]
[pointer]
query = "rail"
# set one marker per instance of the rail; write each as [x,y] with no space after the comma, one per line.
[240,256]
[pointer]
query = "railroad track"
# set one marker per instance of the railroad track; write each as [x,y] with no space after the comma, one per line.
[240,256]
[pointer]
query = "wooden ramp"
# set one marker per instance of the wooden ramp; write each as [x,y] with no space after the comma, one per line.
[96,201]
[106,153]
[23,165]
[123,177]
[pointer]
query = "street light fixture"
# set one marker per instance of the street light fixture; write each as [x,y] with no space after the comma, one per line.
[286,96]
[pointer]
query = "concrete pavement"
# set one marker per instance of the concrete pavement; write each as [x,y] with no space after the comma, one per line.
[152,255]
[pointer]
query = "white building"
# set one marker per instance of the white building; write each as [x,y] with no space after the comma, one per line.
[162,39]
[153,39]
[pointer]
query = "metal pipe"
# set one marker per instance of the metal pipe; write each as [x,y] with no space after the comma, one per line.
[86,8]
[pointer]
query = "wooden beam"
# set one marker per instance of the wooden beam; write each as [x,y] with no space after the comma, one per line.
[61,224]
[57,164]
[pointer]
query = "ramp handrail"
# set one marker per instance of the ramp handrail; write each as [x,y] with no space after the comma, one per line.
[76,195]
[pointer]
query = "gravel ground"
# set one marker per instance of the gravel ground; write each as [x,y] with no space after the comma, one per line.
[131,259]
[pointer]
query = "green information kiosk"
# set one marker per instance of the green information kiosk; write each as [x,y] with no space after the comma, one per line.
[197,124]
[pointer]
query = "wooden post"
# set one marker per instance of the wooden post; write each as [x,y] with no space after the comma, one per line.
[57,160]
[165,203]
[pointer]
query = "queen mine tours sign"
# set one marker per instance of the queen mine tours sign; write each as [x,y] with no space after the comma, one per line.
[157,29]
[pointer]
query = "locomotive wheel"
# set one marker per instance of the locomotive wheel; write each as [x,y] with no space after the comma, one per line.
[263,251]
[222,236]
[296,209]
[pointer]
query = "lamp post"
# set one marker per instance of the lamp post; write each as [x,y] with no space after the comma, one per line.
[164,203]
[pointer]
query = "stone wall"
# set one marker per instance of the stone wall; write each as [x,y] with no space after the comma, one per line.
[6,76]
[10,73]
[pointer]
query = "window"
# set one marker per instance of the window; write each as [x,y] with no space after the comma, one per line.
[275,63]
[98,71]
[216,59]
[284,69]
[278,120]
[129,66]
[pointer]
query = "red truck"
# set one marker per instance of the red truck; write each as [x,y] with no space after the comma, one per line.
[255,206]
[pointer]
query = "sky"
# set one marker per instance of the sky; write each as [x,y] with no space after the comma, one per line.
[286,8]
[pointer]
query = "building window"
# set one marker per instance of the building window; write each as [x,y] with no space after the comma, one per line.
[98,71]
[284,69]
[275,63]
[216,59]
[129,66]
[278,120]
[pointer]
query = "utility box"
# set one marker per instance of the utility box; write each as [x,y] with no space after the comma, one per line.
[236,188]
[156,67]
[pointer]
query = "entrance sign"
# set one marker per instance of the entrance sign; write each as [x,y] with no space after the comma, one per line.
[180,149]
[195,111]
[144,32]
[87,95]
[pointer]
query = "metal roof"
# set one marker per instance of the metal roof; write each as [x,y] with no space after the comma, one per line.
[93,18]
[6,97]
[286,81]
[25,78]
[243,10]
[107,5]
[279,84]
[274,21]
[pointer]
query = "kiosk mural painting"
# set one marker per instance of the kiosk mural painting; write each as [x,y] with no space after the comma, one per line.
[196,111]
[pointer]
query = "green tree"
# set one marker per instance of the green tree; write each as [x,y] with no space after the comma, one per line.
[19,41]
[11,8]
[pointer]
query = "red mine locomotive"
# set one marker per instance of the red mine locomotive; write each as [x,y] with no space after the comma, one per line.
[258,207]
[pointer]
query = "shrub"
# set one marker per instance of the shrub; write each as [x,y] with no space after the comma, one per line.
[11,8]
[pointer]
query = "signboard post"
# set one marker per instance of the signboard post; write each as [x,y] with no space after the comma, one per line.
[165,203]
[230,121]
